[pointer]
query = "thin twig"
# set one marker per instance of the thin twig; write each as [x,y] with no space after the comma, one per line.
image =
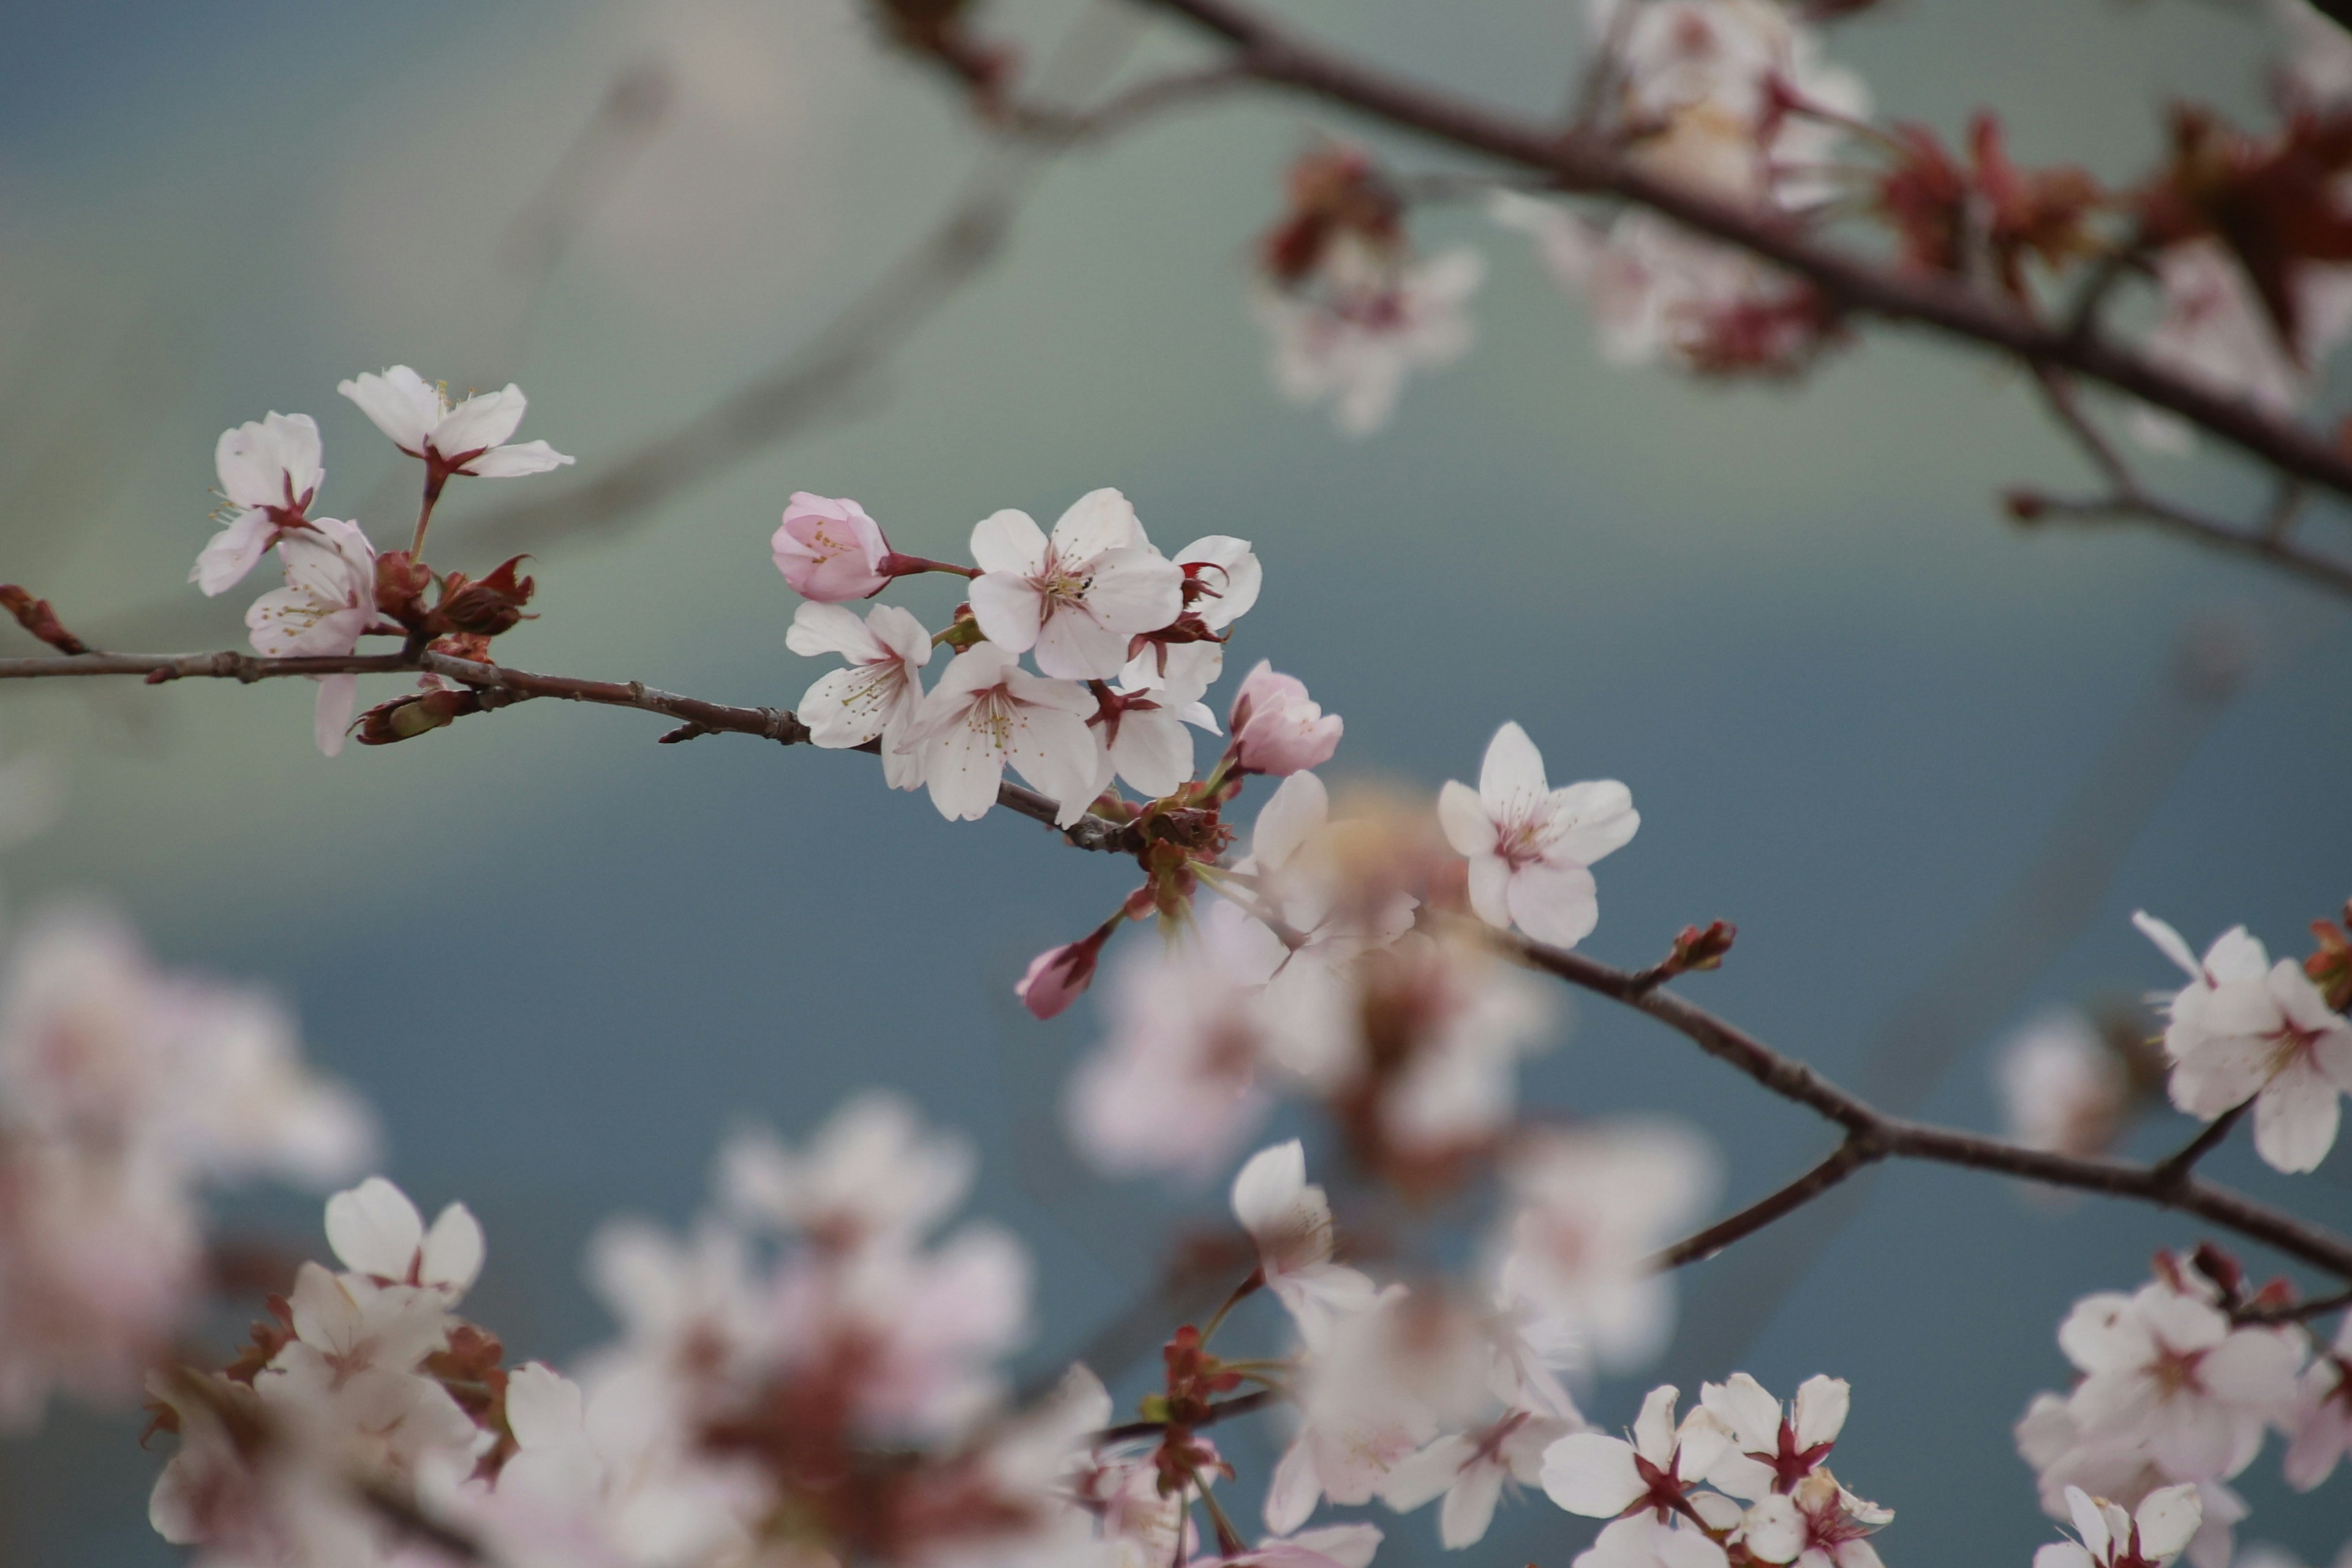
[502,687]
[2295,1312]
[2206,530]
[1848,1157]
[1224,1410]
[2179,1163]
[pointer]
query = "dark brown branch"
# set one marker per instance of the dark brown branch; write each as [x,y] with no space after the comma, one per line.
[2294,1312]
[1896,1138]
[1224,1410]
[502,687]
[2032,508]
[1844,1161]
[2180,1163]
[1581,163]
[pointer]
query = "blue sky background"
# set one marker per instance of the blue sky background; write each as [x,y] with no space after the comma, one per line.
[564,961]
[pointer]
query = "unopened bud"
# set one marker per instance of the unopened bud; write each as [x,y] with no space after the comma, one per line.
[486,606]
[405,717]
[399,584]
[2024,506]
[1059,975]
[1700,948]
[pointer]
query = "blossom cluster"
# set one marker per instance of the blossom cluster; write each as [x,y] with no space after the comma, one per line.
[125,1091]
[2179,1383]
[339,589]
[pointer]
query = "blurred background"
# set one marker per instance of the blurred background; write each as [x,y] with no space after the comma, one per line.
[1927,763]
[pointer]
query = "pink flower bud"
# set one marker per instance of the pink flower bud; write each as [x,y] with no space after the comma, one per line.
[830,549]
[1277,728]
[1058,974]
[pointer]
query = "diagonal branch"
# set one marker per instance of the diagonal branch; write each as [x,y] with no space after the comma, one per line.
[1577,162]
[1896,1138]
[1848,1157]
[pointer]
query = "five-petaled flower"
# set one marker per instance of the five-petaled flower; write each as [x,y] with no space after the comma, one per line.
[327,604]
[1078,597]
[881,692]
[1289,1220]
[986,714]
[1528,845]
[1603,1477]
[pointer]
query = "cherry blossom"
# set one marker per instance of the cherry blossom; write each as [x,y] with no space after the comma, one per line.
[1277,728]
[1355,346]
[2213,329]
[1472,1470]
[2168,1368]
[328,603]
[1289,1220]
[2112,1538]
[2062,1087]
[269,474]
[873,1174]
[376,1231]
[1815,1524]
[1528,845]
[2244,1028]
[1589,1210]
[2117,1466]
[469,438]
[881,692]
[1078,596]
[1641,1541]
[1772,1451]
[1603,1477]
[1324,1546]
[829,550]
[1060,975]
[987,714]
[2319,1432]
[1145,731]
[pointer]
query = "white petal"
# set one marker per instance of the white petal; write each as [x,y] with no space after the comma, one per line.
[1592,1474]
[1512,773]
[1592,820]
[513,462]
[1291,1495]
[1097,521]
[1463,817]
[232,552]
[1555,904]
[1745,1405]
[1008,541]
[1269,1185]
[1135,590]
[1292,814]
[1469,1506]
[1490,886]
[1073,645]
[453,1249]
[1058,755]
[1009,608]
[399,403]
[483,421]
[1154,751]
[2168,1517]
[818,629]
[1821,1405]
[374,1229]
[331,713]
[2294,1119]
[2169,942]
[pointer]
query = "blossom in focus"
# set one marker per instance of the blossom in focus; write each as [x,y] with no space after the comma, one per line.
[1075,597]
[881,692]
[1529,844]
[2244,1028]
[1772,1451]
[1353,345]
[1472,1470]
[269,472]
[2168,1368]
[1588,1209]
[2117,1465]
[1817,1523]
[2062,1087]
[1603,1477]
[2112,1538]
[469,438]
[376,1231]
[1277,728]
[1642,1540]
[1289,1220]
[327,604]
[2319,1432]
[987,714]
[829,550]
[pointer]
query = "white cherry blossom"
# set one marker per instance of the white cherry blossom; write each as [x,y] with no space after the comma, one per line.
[1324,1546]
[1642,1540]
[1289,1220]
[987,714]
[2213,329]
[469,438]
[2112,1538]
[376,1231]
[2244,1028]
[872,1174]
[1815,1524]
[1588,1210]
[269,472]
[881,692]
[1472,1470]
[1355,346]
[1603,1477]
[1078,596]
[1528,845]
[2167,1368]
[2062,1087]
[1774,1451]
[328,603]
[2117,1465]
[2319,1432]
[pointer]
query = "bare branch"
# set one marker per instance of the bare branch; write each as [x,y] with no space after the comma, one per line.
[1844,1161]
[2180,1163]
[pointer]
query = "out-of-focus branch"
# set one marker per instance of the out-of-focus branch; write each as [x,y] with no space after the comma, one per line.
[1896,1138]
[499,687]
[1573,160]
[1224,1410]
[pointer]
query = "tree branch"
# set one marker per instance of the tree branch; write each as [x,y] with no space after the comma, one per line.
[1224,1410]
[2180,1163]
[1896,1138]
[1577,162]
[1848,1157]
[502,687]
